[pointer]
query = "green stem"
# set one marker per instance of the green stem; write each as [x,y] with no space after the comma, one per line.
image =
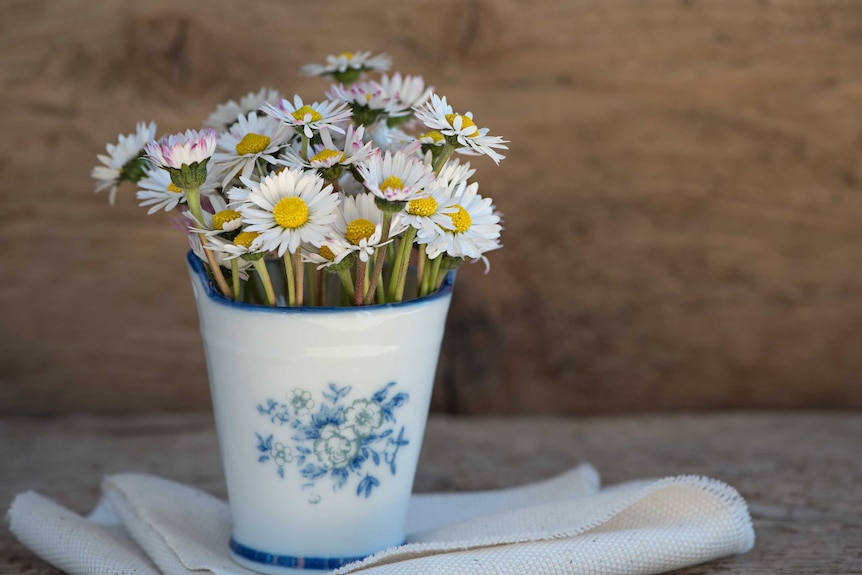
[420,269]
[215,268]
[378,260]
[431,277]
[312,286]
[234,277]
[346,281]
[193,199]
[402,264]
[358,298]
[299,269]
[444,156]
[321,279]
[304,146]
[290,278]
[379,292]
[260,267]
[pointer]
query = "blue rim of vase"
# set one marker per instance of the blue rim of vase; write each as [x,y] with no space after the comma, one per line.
[212,293]
[290,561]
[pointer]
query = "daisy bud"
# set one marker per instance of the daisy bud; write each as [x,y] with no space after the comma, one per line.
[184,156]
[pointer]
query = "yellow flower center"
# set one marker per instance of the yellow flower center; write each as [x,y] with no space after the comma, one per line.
[422,207]
[174,189]
[290,212]
[299,115]
[435,136]
[347,55]
[391,183]
[358,230]
[223,217]
[252,144]
[245,239]
[327,154]
[466,122]
[461,221]
[326,253]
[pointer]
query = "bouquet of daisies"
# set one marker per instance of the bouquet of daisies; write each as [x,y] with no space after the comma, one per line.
[322,203]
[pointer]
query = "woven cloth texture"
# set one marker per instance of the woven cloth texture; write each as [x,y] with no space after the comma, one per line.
[145,525]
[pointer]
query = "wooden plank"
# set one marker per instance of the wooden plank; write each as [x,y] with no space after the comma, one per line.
[682,195]
[799,472]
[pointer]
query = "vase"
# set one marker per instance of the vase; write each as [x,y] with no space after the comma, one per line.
[320,413]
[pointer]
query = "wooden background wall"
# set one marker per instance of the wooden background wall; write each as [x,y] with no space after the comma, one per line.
[683,196]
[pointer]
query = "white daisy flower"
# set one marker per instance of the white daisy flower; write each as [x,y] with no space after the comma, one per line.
[331,252]
[347,65]
[396,177]
[368,101]
[431,211]
[359,226]
[344,151]
[459,129]
[191,147]
[453,174]
[243,244]
[226,114]
[405,92]
[472,230]
[222,257]
[288,208]
[123,161]
[250,139]
[160,193]
[308,118]
[432,138]
[221,220]
[388,139]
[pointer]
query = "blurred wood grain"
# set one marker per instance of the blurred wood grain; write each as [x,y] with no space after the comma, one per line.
[682,195]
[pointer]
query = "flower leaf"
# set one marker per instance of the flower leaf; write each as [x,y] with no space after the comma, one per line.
[366,485]
[312,471]
[380,395]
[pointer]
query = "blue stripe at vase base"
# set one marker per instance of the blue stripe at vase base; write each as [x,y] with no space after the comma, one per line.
[289,561]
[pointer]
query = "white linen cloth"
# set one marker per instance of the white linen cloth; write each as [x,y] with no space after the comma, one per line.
[146,525]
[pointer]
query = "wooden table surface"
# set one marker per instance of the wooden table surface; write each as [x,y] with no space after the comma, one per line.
[801,473]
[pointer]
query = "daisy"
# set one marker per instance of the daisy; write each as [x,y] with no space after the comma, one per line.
[222,257]
[453,174]
[348,66]
[473,228]
[220,220]
[308,118]
[346,151]
[160,193]
[226,114]
[459,129]
[184,156]
[359,226]
[404,92]
[430,211]
[250,139]
[388,139]
[396,177]
[245,243]
[432,138]
[124,160]
[183,149]
[329,254]
[287,208]
[368,101]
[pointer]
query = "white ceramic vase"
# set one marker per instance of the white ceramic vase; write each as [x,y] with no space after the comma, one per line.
[320,415]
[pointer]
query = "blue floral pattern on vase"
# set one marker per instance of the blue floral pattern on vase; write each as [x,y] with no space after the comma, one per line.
[339,440]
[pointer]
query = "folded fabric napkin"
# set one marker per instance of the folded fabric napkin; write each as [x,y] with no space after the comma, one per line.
[146,525]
